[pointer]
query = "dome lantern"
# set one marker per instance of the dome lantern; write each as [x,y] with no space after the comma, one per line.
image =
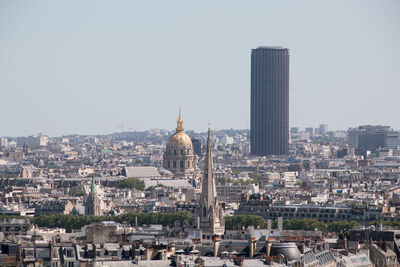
[179,123]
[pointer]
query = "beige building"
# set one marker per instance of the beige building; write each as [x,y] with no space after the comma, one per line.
[179,156]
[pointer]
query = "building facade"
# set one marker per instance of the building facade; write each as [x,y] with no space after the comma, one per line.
[371,137]
[269,101]
[261,205]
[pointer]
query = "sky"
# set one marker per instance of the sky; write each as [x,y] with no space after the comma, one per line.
[87,67]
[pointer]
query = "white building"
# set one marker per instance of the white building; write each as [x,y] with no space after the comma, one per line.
[3,142]
[32,141]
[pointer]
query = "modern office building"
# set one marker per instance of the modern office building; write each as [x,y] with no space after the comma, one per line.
[392,140]
[269,101]
[32,141]
[310,130]
[323,129]
[197,146]
[371,137]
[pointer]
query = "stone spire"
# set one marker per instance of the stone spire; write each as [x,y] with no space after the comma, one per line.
[93,187]
[93,202]
[209,192]
[210,212]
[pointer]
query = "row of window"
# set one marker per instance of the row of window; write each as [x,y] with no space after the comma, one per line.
[173,163]
[183,152]
[308,215]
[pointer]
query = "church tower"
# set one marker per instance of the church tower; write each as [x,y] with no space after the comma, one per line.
[92,205]
[210,213]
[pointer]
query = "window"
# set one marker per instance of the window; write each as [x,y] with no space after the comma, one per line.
[174,151]
[188,164]
[169,164]
[70,253]
[181,164]
[182,152]
[174,164]
[204,211]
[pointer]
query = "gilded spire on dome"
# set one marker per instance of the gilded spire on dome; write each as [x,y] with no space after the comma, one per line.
[179,123]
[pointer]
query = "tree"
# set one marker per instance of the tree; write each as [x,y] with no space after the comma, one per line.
[304,224]
[132,183]
[340,226]
[70,222]
[239,221]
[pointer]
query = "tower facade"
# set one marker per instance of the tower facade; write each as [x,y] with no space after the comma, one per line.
[269,129]
[179,156]
[210,213]
[92,205]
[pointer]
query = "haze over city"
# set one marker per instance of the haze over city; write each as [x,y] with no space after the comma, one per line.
[85,67]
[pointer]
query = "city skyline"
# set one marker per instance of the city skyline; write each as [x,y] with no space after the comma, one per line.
[114,65]
[185,133]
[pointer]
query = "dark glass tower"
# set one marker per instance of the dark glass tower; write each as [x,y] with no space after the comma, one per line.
[269,101]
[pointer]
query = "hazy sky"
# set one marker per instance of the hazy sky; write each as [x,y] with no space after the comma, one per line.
[87,66]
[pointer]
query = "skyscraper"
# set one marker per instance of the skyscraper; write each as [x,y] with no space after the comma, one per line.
[269,128]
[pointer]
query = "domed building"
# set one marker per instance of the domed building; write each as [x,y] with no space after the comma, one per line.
[179,156]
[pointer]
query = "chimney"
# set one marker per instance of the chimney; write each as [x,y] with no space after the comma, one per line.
[172,247]
[268,248]
[252,248]
[132,250]
[280,223]
[384,246]
[51,251]
[94,252]
[238,261]
[216,246]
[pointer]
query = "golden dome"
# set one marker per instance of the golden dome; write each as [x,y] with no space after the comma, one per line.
[180,139]
[179,156]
